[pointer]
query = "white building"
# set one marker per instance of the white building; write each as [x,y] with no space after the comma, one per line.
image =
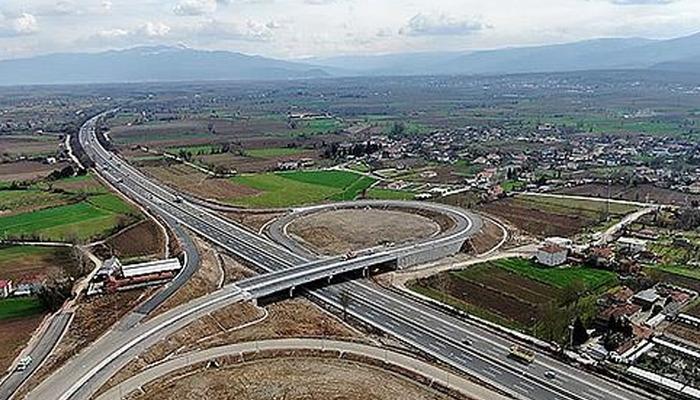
[551,255]
[632,245]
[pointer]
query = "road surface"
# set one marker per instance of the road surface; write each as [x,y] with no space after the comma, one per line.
[419,325]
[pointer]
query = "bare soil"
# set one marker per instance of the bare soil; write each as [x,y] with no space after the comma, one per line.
[14,335]
[26,170]
[502,293]
[233,270]
[93,317]
[291,378]
[489,237]
[536,221]
[144,238]
[254,221]
[642,193]
[244,164]
[289,318]
[33,267]
[685,332]
[198,183]
[341,231]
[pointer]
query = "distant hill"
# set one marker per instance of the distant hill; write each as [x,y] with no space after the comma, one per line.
[598,54]
[162,63]
[142,64]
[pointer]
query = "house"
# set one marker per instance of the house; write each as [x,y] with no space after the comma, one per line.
[551,255]
[5,288]
[632,245]
[646,298]
[601,256]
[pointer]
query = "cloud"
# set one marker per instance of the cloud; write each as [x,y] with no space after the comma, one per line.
[221,30]
[441,24]
[197,7]
[22,25]
[641,2]
[149,32]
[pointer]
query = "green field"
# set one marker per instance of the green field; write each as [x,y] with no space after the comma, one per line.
[388,194]
[20,307]
[14,201]
[559,277]
[286,189]
[85,214]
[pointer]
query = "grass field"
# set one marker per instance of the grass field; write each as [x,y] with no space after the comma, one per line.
[85,211]
[559,277]
[301,187]
[388,194]
[20,307]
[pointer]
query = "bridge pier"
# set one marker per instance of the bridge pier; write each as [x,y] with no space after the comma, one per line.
[365,272]
[330,277]
[291,292]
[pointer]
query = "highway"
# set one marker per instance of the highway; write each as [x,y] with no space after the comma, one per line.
[419,325]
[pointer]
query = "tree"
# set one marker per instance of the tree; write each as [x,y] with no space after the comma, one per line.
[573,291]
[553,323]
[579,335]
[54,293]
[397,129]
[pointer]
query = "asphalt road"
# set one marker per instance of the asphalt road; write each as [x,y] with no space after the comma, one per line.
[384,355]
[421,326]
[43,347]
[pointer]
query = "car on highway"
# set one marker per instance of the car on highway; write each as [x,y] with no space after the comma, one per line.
[521,354]
[550,374]
[23,363]
[467,342]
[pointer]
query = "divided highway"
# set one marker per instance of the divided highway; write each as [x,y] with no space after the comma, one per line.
[461,344]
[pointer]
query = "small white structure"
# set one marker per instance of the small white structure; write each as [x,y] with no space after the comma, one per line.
[632,245]
[5,288]
[551,255]
[153,267]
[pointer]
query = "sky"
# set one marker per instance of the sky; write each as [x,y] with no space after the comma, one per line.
[292,29]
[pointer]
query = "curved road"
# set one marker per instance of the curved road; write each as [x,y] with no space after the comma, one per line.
[436,334]
[465,224]
[408,363]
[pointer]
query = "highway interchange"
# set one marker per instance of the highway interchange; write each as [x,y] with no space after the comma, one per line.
[462,344]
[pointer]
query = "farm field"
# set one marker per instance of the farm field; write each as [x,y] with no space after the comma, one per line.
[84,211]
[544,216]
[20,307]
[300,187]
[19,263]
[512,292]
[13,146]
[388,194]
[198,183]
[641,193]
[26,170]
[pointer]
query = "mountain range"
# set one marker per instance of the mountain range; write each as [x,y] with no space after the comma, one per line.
[163,63]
